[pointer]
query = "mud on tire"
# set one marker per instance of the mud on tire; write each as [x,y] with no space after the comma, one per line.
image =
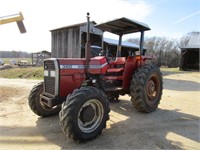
[36,105]
[146,88]
[84,114]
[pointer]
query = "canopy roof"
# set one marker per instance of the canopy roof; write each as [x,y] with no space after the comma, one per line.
[123,26]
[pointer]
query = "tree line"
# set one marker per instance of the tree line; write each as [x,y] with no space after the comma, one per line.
[14,54]
[167,51]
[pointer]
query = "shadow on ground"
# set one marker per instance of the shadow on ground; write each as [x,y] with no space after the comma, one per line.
[181,85]
[137,131]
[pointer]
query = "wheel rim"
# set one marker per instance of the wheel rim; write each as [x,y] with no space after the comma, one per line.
[153,87]
[90,115]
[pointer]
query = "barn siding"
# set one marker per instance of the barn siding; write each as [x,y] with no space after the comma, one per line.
[75,43]
[66,42]
[69,43]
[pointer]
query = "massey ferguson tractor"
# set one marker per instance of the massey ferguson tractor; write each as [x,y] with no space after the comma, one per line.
[79,89]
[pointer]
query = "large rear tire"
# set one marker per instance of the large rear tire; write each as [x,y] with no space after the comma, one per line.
[146,88]
[36,104]
[84,114]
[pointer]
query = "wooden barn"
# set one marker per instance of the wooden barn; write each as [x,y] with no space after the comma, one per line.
[190,55]
[69,41]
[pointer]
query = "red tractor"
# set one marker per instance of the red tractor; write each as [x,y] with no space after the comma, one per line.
[84,86]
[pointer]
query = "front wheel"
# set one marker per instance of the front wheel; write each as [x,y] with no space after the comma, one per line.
[37,105]
[84,114]
[146,88]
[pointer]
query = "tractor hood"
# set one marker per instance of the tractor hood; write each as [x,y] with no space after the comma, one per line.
[97,65]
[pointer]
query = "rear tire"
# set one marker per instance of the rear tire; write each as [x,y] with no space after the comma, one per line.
[36,105]
[146,88]
[84,114]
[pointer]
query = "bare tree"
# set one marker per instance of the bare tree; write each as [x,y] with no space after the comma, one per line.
[167,51]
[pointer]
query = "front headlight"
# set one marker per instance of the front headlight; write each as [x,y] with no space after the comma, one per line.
[52,73]
[46,73]
[49,73]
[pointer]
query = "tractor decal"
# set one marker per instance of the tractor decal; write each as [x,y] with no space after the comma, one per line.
[82,66]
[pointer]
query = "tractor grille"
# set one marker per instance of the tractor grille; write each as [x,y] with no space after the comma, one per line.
[49,85]
[49,81]
[49,64]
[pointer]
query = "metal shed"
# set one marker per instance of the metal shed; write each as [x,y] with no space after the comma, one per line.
[68,42]
[38,58]
[190,54]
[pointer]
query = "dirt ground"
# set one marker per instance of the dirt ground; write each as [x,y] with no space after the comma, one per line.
[175,125]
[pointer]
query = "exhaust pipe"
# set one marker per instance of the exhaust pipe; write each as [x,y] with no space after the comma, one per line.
[87,44]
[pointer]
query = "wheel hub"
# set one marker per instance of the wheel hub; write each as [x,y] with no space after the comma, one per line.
[90,115]
[152,88]
[87,114]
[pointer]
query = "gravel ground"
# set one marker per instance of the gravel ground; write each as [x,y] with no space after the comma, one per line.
[175,125]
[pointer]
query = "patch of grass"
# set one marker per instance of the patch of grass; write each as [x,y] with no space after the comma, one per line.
[25,73]
[170,69]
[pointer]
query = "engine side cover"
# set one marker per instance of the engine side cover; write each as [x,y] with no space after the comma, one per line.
[72,72]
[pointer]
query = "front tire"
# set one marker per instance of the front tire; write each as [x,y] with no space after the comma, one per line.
[36,104]
[146,88]
[84,114]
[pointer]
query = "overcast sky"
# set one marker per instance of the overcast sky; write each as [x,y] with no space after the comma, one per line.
[168,18]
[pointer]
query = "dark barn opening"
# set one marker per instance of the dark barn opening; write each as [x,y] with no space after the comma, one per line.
[95,41]
[190,59]
[190,53]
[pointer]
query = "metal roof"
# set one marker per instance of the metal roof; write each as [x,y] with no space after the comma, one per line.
[124,43]
[42,52]
[123,26]
[191,47]
[72,26]
[194,42]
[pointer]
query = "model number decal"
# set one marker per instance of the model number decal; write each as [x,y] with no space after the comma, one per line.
[71,66]
[81,66]
[65,66]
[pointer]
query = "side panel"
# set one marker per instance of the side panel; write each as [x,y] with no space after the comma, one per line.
[70,82]
[73,74]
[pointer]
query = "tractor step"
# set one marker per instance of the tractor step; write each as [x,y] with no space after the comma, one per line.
[115,70]
[113,77]
[117,88]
